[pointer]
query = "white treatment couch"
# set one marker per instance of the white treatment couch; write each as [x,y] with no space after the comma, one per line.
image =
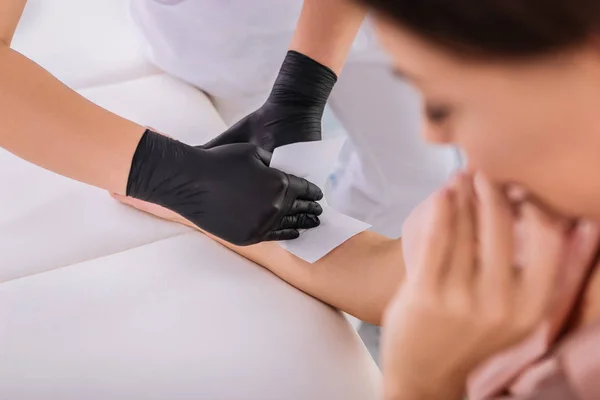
[99,301]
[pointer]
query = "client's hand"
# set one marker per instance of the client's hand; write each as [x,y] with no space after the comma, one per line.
[154,209]
[466,299]
[293,111]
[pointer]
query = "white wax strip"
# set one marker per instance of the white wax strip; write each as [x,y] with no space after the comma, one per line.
[313,161]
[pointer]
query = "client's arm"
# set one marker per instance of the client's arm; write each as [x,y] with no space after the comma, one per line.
[359,277]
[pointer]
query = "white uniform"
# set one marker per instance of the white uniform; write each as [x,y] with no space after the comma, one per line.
[232,50]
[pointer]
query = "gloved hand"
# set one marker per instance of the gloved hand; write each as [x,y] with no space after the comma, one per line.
[293,111]
[228,191]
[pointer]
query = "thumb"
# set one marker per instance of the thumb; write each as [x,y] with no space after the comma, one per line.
[264,156]
[237,133]
[215,142]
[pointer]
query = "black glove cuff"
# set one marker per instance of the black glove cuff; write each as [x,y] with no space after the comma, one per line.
[302,79]
[155,156]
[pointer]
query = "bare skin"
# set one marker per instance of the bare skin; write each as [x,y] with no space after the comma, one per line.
[361,275]
[78,139]
[549,151]
[71,135]
[326,30]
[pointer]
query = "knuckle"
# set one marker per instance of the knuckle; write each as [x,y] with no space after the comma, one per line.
[459,305]
[297,205]
[281,182]
[288,221]
[300,220]
[277,208]
[522,329]
[304,186]
[497,316]
[426,302]
[525,323]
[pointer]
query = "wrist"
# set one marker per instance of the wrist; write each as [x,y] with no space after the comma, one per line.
[302,79]
[439,393]
[424,389]
[123,146]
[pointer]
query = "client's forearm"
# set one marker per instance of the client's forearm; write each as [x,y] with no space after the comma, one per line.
[326,30]
[359,277]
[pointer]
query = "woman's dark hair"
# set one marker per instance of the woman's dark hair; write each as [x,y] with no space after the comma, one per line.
[497,28]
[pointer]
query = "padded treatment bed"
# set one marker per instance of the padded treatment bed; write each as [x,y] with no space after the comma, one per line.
[181,318]
[100,301]
[83,43]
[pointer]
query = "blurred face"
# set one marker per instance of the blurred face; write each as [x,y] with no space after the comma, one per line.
[535,123]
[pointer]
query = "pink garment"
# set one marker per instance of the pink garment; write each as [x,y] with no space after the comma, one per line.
[539,367]
[570,372]
[523,369]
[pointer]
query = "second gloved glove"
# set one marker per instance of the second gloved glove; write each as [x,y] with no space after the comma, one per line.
[293,111]
[229,191]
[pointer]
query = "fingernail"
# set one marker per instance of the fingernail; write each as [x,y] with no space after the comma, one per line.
[318,209]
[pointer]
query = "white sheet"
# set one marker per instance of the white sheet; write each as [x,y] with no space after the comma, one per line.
[182,318]
[83,43]
[313,161]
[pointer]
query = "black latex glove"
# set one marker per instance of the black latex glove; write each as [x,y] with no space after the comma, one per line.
[293,111]
[228,191]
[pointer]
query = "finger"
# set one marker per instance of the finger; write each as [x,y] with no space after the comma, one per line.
[413,232]
[304,189]
[582,248]
[130,201]
[496,238]
[462,265]
[235,134]
[264,156]
[133,202]
[284,234]
[216,142]
[436,240]
[305,207]
[299,221]
[544,253]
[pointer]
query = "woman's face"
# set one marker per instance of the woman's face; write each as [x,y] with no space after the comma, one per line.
[535,123]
